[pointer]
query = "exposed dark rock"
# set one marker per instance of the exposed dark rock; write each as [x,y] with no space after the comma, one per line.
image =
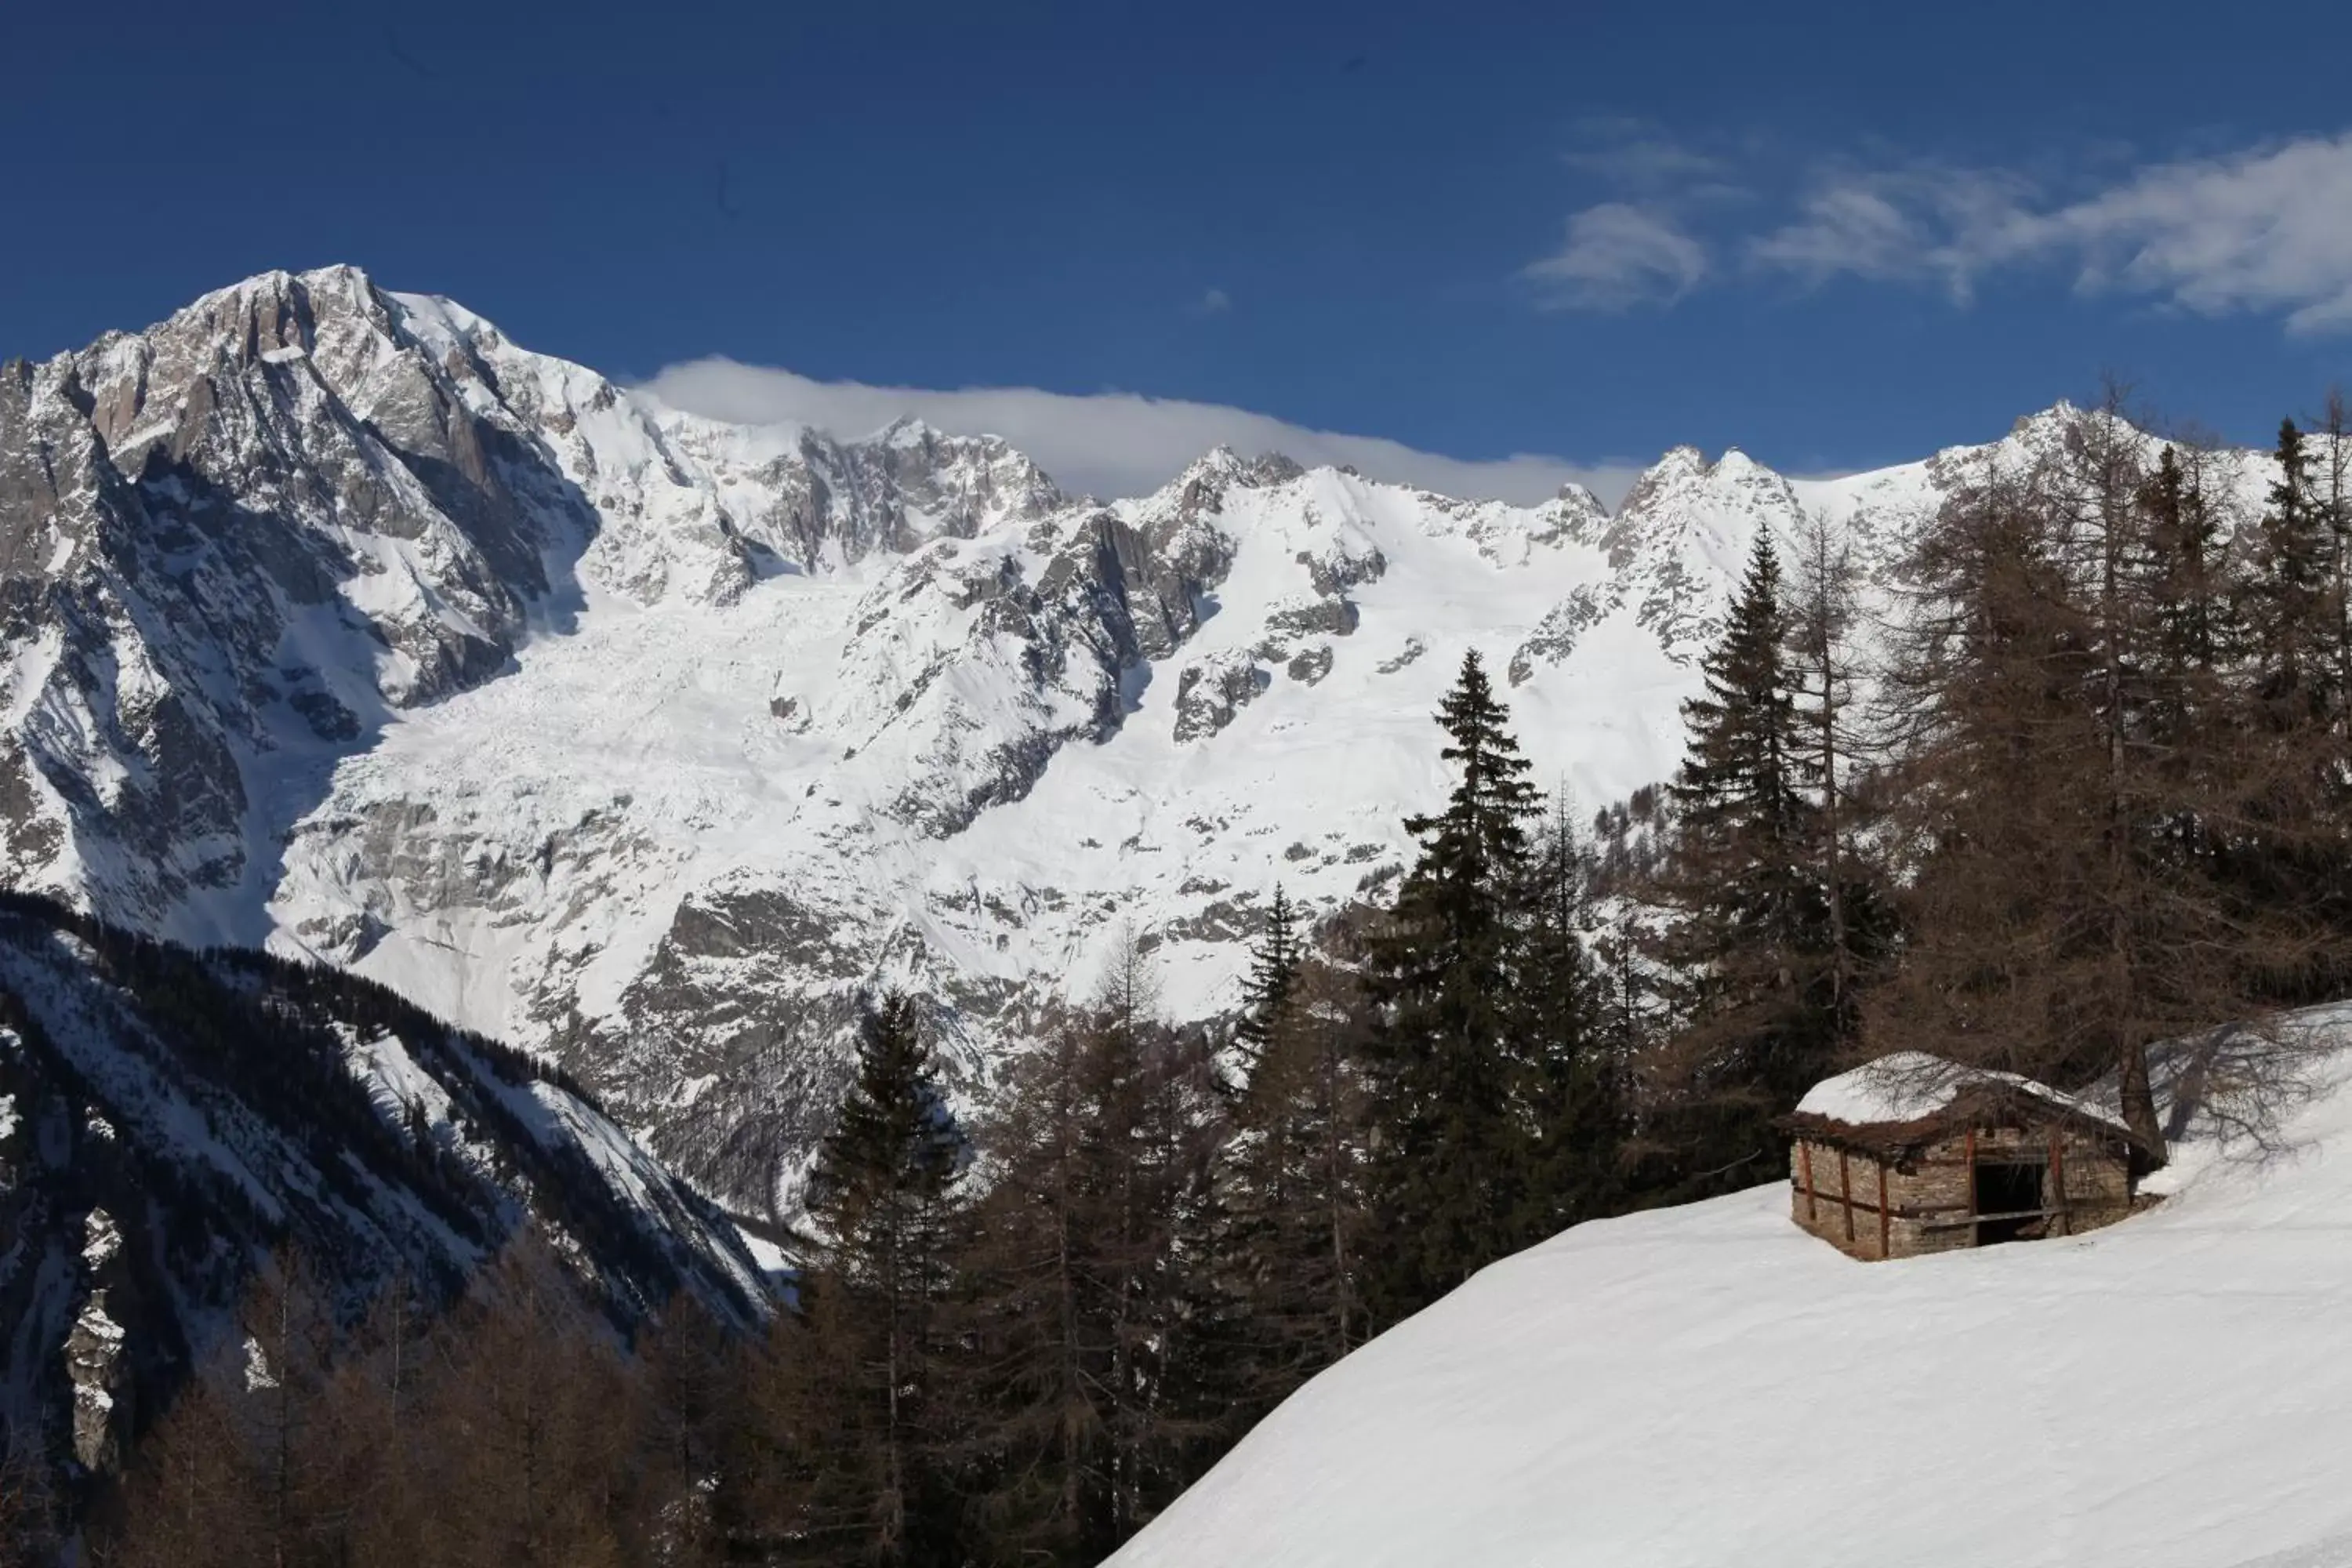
[1312,665]
[1209,695]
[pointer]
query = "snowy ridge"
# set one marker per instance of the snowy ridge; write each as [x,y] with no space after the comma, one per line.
[334,620]
[1708,1384]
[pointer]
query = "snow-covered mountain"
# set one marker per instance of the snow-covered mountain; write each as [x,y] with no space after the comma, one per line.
[333,620]
[169,1119]
[1711,1384]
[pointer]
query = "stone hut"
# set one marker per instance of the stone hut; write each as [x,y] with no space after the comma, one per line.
[1913,1154]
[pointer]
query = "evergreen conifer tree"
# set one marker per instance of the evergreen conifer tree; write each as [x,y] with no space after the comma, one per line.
[1273,972]
[1750,934]
[1291,1210]
[2294,634]
[1574,1090]
[877,1487]
[2193,628]
[1448,1058]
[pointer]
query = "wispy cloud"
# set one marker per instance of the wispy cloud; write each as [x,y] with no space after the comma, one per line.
[2262,229]
[1216,302]
[1111,443]
[1648,162]
[1921,224]
[1619,255]
[2269,229]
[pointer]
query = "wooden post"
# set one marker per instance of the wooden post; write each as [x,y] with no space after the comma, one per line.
[1845,1191]
[2058,1183]
[1973,1239]
[1883,1222]
[1805,1165]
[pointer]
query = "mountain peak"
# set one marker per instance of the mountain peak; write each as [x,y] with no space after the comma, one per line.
[338,280]
[911,430]
[1222,465]
[1219,462]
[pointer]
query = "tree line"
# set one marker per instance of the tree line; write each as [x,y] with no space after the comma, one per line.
[2081,791]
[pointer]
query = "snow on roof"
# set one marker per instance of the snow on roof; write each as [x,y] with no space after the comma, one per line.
[1907,1086]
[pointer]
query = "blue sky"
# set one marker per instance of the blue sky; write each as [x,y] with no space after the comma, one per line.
[1834,235]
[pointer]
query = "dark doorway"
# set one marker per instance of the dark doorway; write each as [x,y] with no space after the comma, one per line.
[2013,1192]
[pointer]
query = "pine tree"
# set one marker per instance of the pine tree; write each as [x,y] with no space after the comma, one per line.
[2292,851]
[1274,970]
[1448,1062]
[2107,831]
[2193,630]
[1750,935]
[1575,1089]
[2294,634]
[254,1462]
[1292,1205]
[2331,491]
[1086,1258]
[876,1488]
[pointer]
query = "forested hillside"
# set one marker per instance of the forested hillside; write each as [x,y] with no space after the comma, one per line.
[185,1135]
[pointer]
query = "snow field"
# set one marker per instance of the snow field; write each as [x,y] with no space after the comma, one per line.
[1708,1385]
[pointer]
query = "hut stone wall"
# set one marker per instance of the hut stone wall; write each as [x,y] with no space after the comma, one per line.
[1870,1207]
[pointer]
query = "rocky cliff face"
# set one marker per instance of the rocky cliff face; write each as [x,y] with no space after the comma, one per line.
[235,547]
[169,1120]
[331,619]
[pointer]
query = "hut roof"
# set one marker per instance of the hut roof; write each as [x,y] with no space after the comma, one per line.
[1911,1098]
[1911,1086]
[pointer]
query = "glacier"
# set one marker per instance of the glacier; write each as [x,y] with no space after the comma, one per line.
[334,621]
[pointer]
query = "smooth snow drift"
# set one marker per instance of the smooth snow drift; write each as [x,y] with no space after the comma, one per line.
[1907,1086]
[1709,1386]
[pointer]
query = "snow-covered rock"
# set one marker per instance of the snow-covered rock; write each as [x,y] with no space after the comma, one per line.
[93,1350]
[331,618]
[1706,1384]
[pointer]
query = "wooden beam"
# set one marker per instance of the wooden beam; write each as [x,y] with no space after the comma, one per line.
[1845,1190]
[1955,1223]
[1805,1162]
[2058,1182]
[1884,1223]
[1973,1186]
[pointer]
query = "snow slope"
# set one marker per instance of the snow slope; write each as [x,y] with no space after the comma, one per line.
[1708,1386]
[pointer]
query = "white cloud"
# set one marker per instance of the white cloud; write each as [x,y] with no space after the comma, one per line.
[1216,302]
[1647,162]
[1619,255]
[2269,229]
[2263,229]
[1917,225]
[1111,443]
